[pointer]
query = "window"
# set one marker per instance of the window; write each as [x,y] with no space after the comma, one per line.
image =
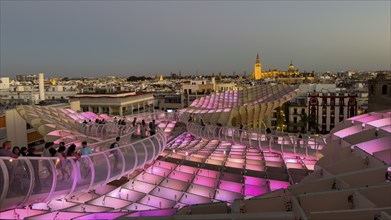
[332,101]
[371,89]
[95,109]
[294,119]
[295,111]
[384,90]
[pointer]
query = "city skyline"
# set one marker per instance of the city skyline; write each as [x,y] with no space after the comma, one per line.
[147,38]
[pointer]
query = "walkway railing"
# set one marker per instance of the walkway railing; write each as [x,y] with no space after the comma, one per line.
[281,142]
[29,180]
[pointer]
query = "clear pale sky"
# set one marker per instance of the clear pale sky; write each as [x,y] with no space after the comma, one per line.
[96,38]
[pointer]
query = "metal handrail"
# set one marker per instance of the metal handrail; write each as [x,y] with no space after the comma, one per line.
[312,145]
[131,156]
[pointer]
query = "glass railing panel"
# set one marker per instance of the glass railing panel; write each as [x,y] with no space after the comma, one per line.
[65,176]
[20,173]
[130,157]
[139,147]
[84,166]
[152,152]
[100,167]
[3,178]
[156,143]
[44,177]
[116,163]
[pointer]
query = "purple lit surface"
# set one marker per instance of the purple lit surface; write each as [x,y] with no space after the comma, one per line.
[157,202]
[186,177]
[108,216]
[158,171]
[22,213]
[255,167]
[138,207]
[224,195]
[230,186]
[167,193]
[192,199]
[109,202]
[59,215]
[375,145]
[348,131]
[275,184]
[205,181]
[175,184]
[201,190]
[150,178]
[250,190]
[164,212]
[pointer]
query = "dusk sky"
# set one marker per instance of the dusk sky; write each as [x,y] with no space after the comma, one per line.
[97,38]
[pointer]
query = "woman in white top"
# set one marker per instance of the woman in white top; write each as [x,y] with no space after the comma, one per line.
[143,129]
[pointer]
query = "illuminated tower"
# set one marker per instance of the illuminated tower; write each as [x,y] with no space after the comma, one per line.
[257,69]
[291,67]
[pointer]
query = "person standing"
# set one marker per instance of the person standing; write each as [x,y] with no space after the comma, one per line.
[240,130]
[275,136]
[60,164]
[5,152]
[115,152]
[23,151]
[152,127]
[134,122]
[298,138]
[71,152]
[16,151]
[48,152]
[143,129]
[85,150]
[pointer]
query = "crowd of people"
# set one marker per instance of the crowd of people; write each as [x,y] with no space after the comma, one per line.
[61,156]
[143,129]
[18,170]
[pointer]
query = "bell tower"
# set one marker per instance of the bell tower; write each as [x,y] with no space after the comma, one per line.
[257,68]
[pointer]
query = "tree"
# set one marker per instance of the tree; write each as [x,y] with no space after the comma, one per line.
[280,123]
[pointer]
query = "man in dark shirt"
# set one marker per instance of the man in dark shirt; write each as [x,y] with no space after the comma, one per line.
[152,127]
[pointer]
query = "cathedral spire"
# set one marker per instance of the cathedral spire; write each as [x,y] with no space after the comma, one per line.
[257,60]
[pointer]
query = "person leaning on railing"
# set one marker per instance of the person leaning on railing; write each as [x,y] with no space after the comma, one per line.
[71,152]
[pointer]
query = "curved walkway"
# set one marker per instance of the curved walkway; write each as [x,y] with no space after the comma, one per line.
[29,180]
[308,146]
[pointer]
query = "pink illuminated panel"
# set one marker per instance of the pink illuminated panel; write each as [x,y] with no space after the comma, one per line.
[108,216]
[275,184]
[192,199]
[224,195]
[19,213]
[231,186]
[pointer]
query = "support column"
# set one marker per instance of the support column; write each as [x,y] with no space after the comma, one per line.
[120,111]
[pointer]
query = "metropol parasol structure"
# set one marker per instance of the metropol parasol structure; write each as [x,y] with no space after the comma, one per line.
[193,167]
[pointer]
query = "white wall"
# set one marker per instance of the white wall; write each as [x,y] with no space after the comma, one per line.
[16,128]
[4,83]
